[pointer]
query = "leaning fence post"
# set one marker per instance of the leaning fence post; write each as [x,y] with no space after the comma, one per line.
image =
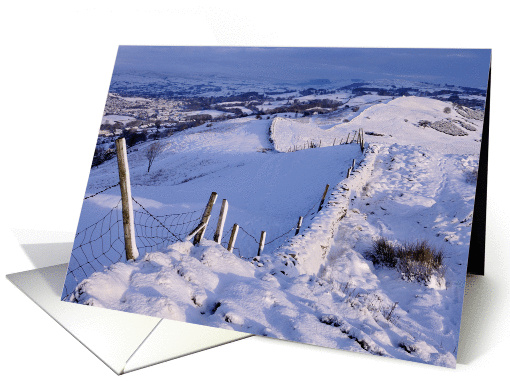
[221,221]
[349,172]
[262,242]
[197,229]
[300,221]
[323,197]
[205,217]
[233,237]
[353,163]
[128,220]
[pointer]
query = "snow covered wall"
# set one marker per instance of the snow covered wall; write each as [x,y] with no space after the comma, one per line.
[308,250]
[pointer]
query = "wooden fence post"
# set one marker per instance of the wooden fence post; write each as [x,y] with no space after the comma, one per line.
[300,221]
[347,140]
[323,197]
[349,172]
[128,220]
[353,163]
[233,237]
[262,242]
[197,229]
[205,217]
[221,221]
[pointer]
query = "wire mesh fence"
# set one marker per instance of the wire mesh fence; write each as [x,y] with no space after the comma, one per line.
[155,232]
[151,235]
[98,245]
[101,244]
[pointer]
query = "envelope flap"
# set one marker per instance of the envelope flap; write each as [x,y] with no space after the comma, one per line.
[173,339]
[111,335]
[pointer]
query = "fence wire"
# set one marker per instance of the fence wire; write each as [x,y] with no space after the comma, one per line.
[156,232]
[101,244]
[98,245]
[100,192]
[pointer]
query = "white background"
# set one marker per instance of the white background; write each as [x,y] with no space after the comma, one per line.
[56,62]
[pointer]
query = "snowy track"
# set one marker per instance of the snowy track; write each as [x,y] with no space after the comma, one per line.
[410,194]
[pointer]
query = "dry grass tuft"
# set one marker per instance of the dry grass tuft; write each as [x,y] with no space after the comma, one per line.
[414,261]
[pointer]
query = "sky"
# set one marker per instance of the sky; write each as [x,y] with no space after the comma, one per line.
[464,67]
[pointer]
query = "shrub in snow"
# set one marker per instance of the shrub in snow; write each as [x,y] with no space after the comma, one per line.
[374,134]
[383,253]
[465,125]
[415,261]
[407,347]
[466,112]
[472,176]
[355,334]
[448,127]
[419,261]
[447,110]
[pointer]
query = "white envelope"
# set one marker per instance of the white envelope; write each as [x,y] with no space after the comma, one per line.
[123,341]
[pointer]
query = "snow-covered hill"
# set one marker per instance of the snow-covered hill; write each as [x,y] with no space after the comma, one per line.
[414,181]
[403,120]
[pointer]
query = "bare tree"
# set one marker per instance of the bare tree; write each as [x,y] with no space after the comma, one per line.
[152,152]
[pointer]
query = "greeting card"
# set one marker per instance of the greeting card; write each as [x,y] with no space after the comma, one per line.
[319,195]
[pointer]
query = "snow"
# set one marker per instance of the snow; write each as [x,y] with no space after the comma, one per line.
[212,113]
[410,183]
[111,119]
[243,109]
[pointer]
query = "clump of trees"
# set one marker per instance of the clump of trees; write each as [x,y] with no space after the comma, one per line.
[199,117]
[102,155]
[111,128]
[133,136]
[134,123]
[301,107]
